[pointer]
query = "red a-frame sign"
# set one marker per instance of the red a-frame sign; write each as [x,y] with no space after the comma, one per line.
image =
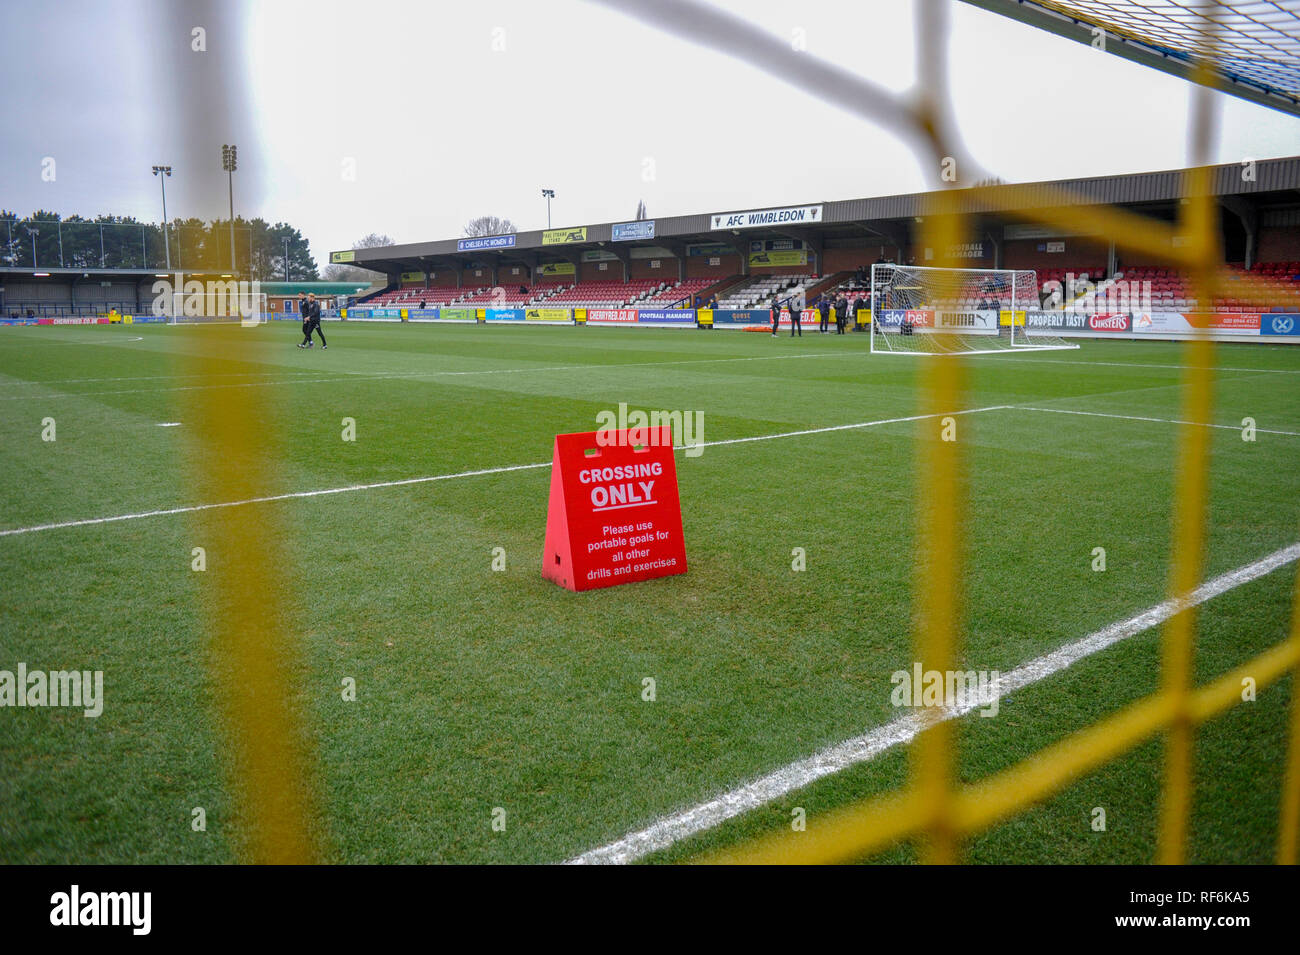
[614,515]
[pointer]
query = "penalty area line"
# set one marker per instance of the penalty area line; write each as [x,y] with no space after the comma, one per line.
[1136,364]
[193,508]
[1132,417]
[841,427]
[669,830]
[414,376]
[402,482]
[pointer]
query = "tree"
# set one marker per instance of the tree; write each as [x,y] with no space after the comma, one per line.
[126,241]
[80,243]
[41,228]
[373,241]
[268,253]
[640,210]
[355,273]
[11,239]
[121,242]
[192,245]
[489,225]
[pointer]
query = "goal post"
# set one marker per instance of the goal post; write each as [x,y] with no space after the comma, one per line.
[921,310]
[213,307]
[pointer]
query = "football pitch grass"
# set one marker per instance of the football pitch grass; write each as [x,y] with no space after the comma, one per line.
[479,689]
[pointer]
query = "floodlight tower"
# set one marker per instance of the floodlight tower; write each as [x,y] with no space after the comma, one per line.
[162,172]
[230,162]
[549,194]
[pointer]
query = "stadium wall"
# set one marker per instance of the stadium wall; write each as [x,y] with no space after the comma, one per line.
[18,295]
[1033,254]
[612,271]
[1282,328]
[665,271]
[1278,245]
[1272,327]
[976,254]
[848,260]
[698,267]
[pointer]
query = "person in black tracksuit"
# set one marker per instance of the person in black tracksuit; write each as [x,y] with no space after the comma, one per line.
[302,311]
[841,314]
[776,315]
[313,322]
[796,319]
[824,311]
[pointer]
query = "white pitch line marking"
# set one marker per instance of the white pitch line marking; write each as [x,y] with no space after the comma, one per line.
[57,341]
[415,376]
[168,424]
[861,749]
[1135,364]
[1131,417]
[163,391]
[840,427]
[220,374]
[191,508]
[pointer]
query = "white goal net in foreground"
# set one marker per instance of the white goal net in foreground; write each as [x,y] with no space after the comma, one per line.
[916,310]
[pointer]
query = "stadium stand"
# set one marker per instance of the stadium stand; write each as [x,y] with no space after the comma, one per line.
[1171,288]
[642,293]
[1093,273]
[412,297]
[647,293]
[979,294]
[680,292]
[761,290]
[506,296]
[603,294]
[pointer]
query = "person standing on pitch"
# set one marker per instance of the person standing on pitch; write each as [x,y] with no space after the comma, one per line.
[841,313]
[306,330]
[776,315]
[313,320]
[824,312]
[796,318]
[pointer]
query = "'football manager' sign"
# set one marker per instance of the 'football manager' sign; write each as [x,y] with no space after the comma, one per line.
[614,514]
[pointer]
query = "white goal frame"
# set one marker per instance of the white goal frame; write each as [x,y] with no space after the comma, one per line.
[217,308]
[1015,344]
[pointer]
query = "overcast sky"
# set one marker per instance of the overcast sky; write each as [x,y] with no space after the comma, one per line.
[449,110]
